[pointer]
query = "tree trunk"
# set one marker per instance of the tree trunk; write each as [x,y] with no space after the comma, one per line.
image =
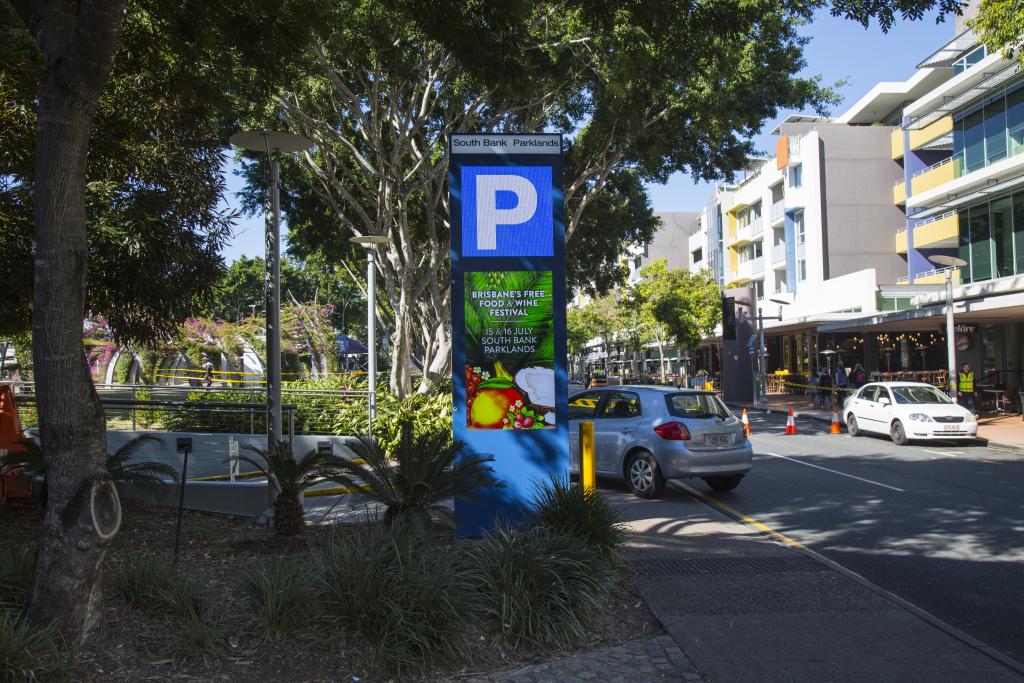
[661,361]
[401,351]
[83,512]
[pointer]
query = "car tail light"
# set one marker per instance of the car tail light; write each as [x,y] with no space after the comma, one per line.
[673,431]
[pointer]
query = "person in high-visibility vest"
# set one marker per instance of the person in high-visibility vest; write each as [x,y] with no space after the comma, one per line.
[965,387]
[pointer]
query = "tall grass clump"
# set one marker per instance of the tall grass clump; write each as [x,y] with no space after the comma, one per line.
[150,583]
[569,508]
[16,565]
[282,593]
[406,604]
[28,654]
[540,588]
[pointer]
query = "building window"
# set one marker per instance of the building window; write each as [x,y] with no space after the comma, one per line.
[970,59]
[801,270]
[698,255]
[989,132]
[796,176]
[759,288]
[992,239]
[798,227]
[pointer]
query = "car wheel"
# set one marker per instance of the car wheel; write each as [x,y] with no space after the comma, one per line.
[723,484]
[851,425]
[643,476]
[898,434]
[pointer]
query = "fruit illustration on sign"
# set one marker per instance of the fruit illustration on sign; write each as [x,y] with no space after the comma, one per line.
[491,404]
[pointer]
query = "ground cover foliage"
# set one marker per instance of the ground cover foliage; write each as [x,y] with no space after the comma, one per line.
[400,602]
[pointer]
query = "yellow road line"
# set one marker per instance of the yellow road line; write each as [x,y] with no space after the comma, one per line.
[737,515]
[336,491]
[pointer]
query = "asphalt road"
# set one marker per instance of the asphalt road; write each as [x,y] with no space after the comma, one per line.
[940,525]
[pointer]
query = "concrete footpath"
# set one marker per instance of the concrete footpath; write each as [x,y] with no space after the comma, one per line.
[744,606]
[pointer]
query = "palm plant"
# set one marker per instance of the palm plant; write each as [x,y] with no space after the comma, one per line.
[290,477]
[420,472]
[144,475]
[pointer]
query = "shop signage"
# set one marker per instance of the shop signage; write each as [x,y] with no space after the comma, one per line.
[510,384]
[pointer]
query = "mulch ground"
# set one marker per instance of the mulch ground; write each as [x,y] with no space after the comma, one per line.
[219,551]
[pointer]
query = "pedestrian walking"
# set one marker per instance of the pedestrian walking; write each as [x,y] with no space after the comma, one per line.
[826,384]
[208,376]
[859,375]
[842,384]
[815,389]
[965,387]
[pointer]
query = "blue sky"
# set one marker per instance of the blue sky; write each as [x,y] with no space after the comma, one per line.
[839,50]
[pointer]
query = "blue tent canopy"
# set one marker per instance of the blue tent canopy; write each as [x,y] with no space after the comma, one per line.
[347,346]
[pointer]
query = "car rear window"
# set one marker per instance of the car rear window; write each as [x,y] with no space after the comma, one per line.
[696,406]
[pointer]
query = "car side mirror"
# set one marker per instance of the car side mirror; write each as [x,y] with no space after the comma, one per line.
[885,401]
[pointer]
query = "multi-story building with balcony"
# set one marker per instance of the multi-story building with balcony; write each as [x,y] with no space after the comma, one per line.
[810,226]
[960,145]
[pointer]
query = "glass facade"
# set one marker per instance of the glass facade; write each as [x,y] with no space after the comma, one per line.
[992,238]
[990,131]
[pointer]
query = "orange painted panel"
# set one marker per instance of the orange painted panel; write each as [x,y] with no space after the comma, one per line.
[782,151]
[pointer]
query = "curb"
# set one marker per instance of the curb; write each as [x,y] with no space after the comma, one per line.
[921,614]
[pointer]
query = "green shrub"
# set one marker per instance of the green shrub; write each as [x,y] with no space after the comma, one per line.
[569,508]
[417,475]
[28,654]
[408,604]
[320,413]
[150,583]
[540,587]
[195,634]
[283,593]
[16,565]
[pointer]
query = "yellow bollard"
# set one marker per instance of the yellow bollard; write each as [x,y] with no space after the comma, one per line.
[588,471]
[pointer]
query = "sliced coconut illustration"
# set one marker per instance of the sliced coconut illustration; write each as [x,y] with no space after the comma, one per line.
[539,385]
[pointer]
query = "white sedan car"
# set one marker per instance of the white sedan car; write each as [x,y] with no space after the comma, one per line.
[906,411]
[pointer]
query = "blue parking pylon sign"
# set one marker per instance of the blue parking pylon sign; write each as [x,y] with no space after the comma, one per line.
[509,379]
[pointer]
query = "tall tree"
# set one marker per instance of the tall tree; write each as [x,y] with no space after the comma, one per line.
[643,90]
[109,186]
[687,305]
[83,511]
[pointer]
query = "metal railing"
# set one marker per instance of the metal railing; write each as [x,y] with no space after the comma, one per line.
[934,166]
[211,410]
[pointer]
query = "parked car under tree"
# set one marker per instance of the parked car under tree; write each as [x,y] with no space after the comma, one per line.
[645,435]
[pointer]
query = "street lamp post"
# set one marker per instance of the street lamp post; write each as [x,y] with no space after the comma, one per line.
[762,362]
[950,262]
[272,143]
[371,242]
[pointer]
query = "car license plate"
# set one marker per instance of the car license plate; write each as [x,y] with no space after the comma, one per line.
[950,428]
[717,439]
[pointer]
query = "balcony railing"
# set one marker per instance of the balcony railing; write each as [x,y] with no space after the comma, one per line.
[778,211]
[756,227]
[779,253]
[757,265]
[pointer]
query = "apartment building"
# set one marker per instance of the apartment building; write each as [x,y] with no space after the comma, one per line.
[809,230]
[960,146]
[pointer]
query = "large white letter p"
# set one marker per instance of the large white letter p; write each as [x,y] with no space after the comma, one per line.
[489,216]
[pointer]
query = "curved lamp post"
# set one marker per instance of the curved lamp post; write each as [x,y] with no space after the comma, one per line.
[273,143]
[950,262]
[371,242]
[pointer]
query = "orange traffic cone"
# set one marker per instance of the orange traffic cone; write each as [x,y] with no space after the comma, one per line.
[746,422]
[790,423]
[836,426]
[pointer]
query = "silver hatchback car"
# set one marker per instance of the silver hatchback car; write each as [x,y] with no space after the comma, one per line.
[646,435]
